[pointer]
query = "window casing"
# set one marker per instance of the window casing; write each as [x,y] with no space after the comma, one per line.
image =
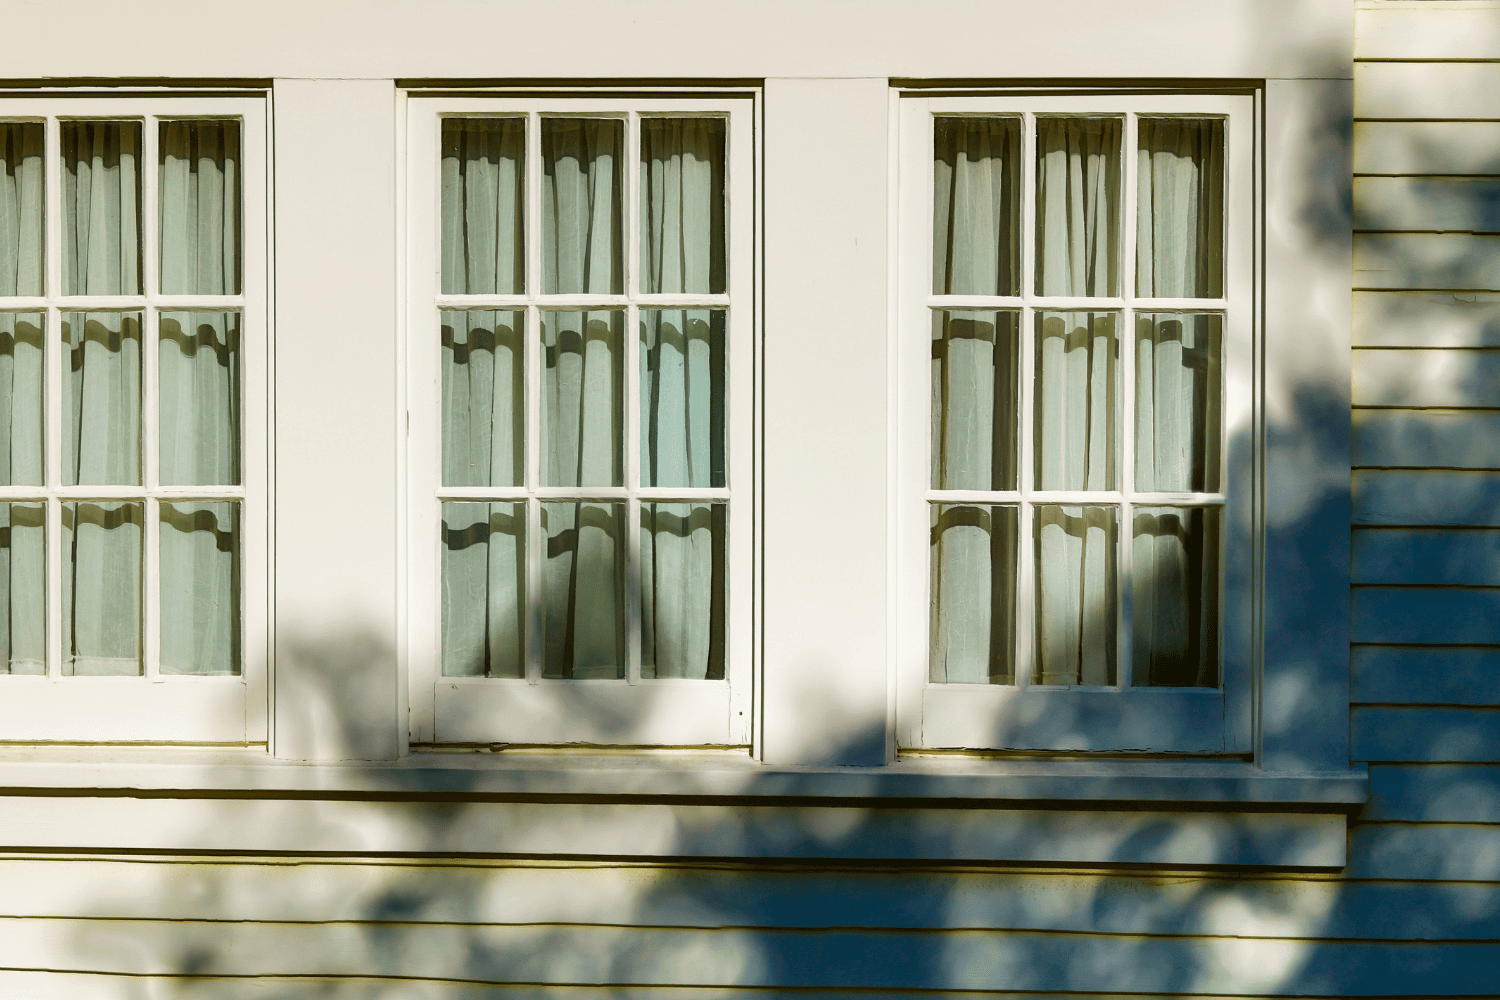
[565,448]
[1066,477]
[136,420]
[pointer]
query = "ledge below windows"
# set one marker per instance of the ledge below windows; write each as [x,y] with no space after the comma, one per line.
[1160,814]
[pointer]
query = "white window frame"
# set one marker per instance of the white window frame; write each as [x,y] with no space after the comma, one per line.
[152,707]
[955,716]
[546,712]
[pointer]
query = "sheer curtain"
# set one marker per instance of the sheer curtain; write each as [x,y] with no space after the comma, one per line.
[1179,388]
[682,397]
[1078,251]
[22,555]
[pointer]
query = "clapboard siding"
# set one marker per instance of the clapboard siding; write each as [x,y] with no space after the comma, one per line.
[1446,378]
[1461,499]
[1422,615]
[1439,148]
[1425,319]
[1427,204]
[1424,733]
[1427,261]
[1418,90]
[1425,852]
[1425,675]
[378,894]
[1467,557]
[1435,793]
[1426,31]
[1443,439]
[826,958]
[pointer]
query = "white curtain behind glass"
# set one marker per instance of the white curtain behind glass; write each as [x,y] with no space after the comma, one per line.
[682,396]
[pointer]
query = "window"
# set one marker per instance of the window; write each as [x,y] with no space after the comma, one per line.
[580,361]
[1076,365]
[132,426]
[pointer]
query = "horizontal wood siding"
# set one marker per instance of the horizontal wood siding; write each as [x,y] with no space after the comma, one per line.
[1425,670]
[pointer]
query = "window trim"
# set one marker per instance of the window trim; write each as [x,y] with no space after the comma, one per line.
[154,708]
[448,711]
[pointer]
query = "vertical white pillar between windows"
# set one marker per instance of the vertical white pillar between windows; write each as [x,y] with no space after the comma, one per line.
[826,560]
[335,413]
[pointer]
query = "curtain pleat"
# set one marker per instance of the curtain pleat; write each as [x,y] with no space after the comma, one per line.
[21,178]
[682,590]
[976,206]
[1180,215]
[200,588]
[1178,391]
[1075,591]
[682,205]
[23,635]
[974,400]
[583,583]
[483,169]
[199,207]
[582,231]
[1078,206]
[973,556]
[484,583]
[102,545]
[1175,586]
[483,398]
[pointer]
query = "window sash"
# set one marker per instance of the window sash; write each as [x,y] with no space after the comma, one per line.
[154,706]
[1027,716]
[446,709]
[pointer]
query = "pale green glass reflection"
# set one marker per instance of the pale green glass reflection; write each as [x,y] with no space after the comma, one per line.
[101,399]
[200,588]
[101,213]
[483,589]
[23,590]
[21,372]
[102,544]
[583,590]
[199,362]
[682,397]
[975,406]
[683,590]
[973,594]
[484,378]
[1076,599]
[583,389]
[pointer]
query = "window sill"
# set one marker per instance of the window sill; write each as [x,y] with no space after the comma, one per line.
[1159,814]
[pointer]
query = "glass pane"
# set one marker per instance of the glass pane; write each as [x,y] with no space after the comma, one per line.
[200,588]
[1179,390]
[23,589]
[484,378]
[1180,212]
[682,205]
[1175,597]
[975,406]
[976,206]
[682,397]
[199,210]
[102,588]
[101,208]
[973,589]
[583,388]
[582,228]
[682,590]
[484,588]
[21,399]
[1075,594]
[1078,206]
[583,590]
[483,206]
[21,202]
[200,399]
[1077,385]
[101,399]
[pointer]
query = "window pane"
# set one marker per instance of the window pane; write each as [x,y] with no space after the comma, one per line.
[1078,206]
[1180,214]
[102,588]
[101,390]
[1077,384]
[200,588]
[682,397]
[483,207]
[583,590]
[21,208]
[583,385]
[1075,594]
[484,587]
[682,205]
[1175,597]
[973,568]
[974,400]
[23,589]
[1178,402]
[199,207]
[101,208]
[582,230]
[682,590]
[484,378]
[200,399]
[976,206]
[21,399]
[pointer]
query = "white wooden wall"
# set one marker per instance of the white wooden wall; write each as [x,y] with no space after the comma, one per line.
[1415,913]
